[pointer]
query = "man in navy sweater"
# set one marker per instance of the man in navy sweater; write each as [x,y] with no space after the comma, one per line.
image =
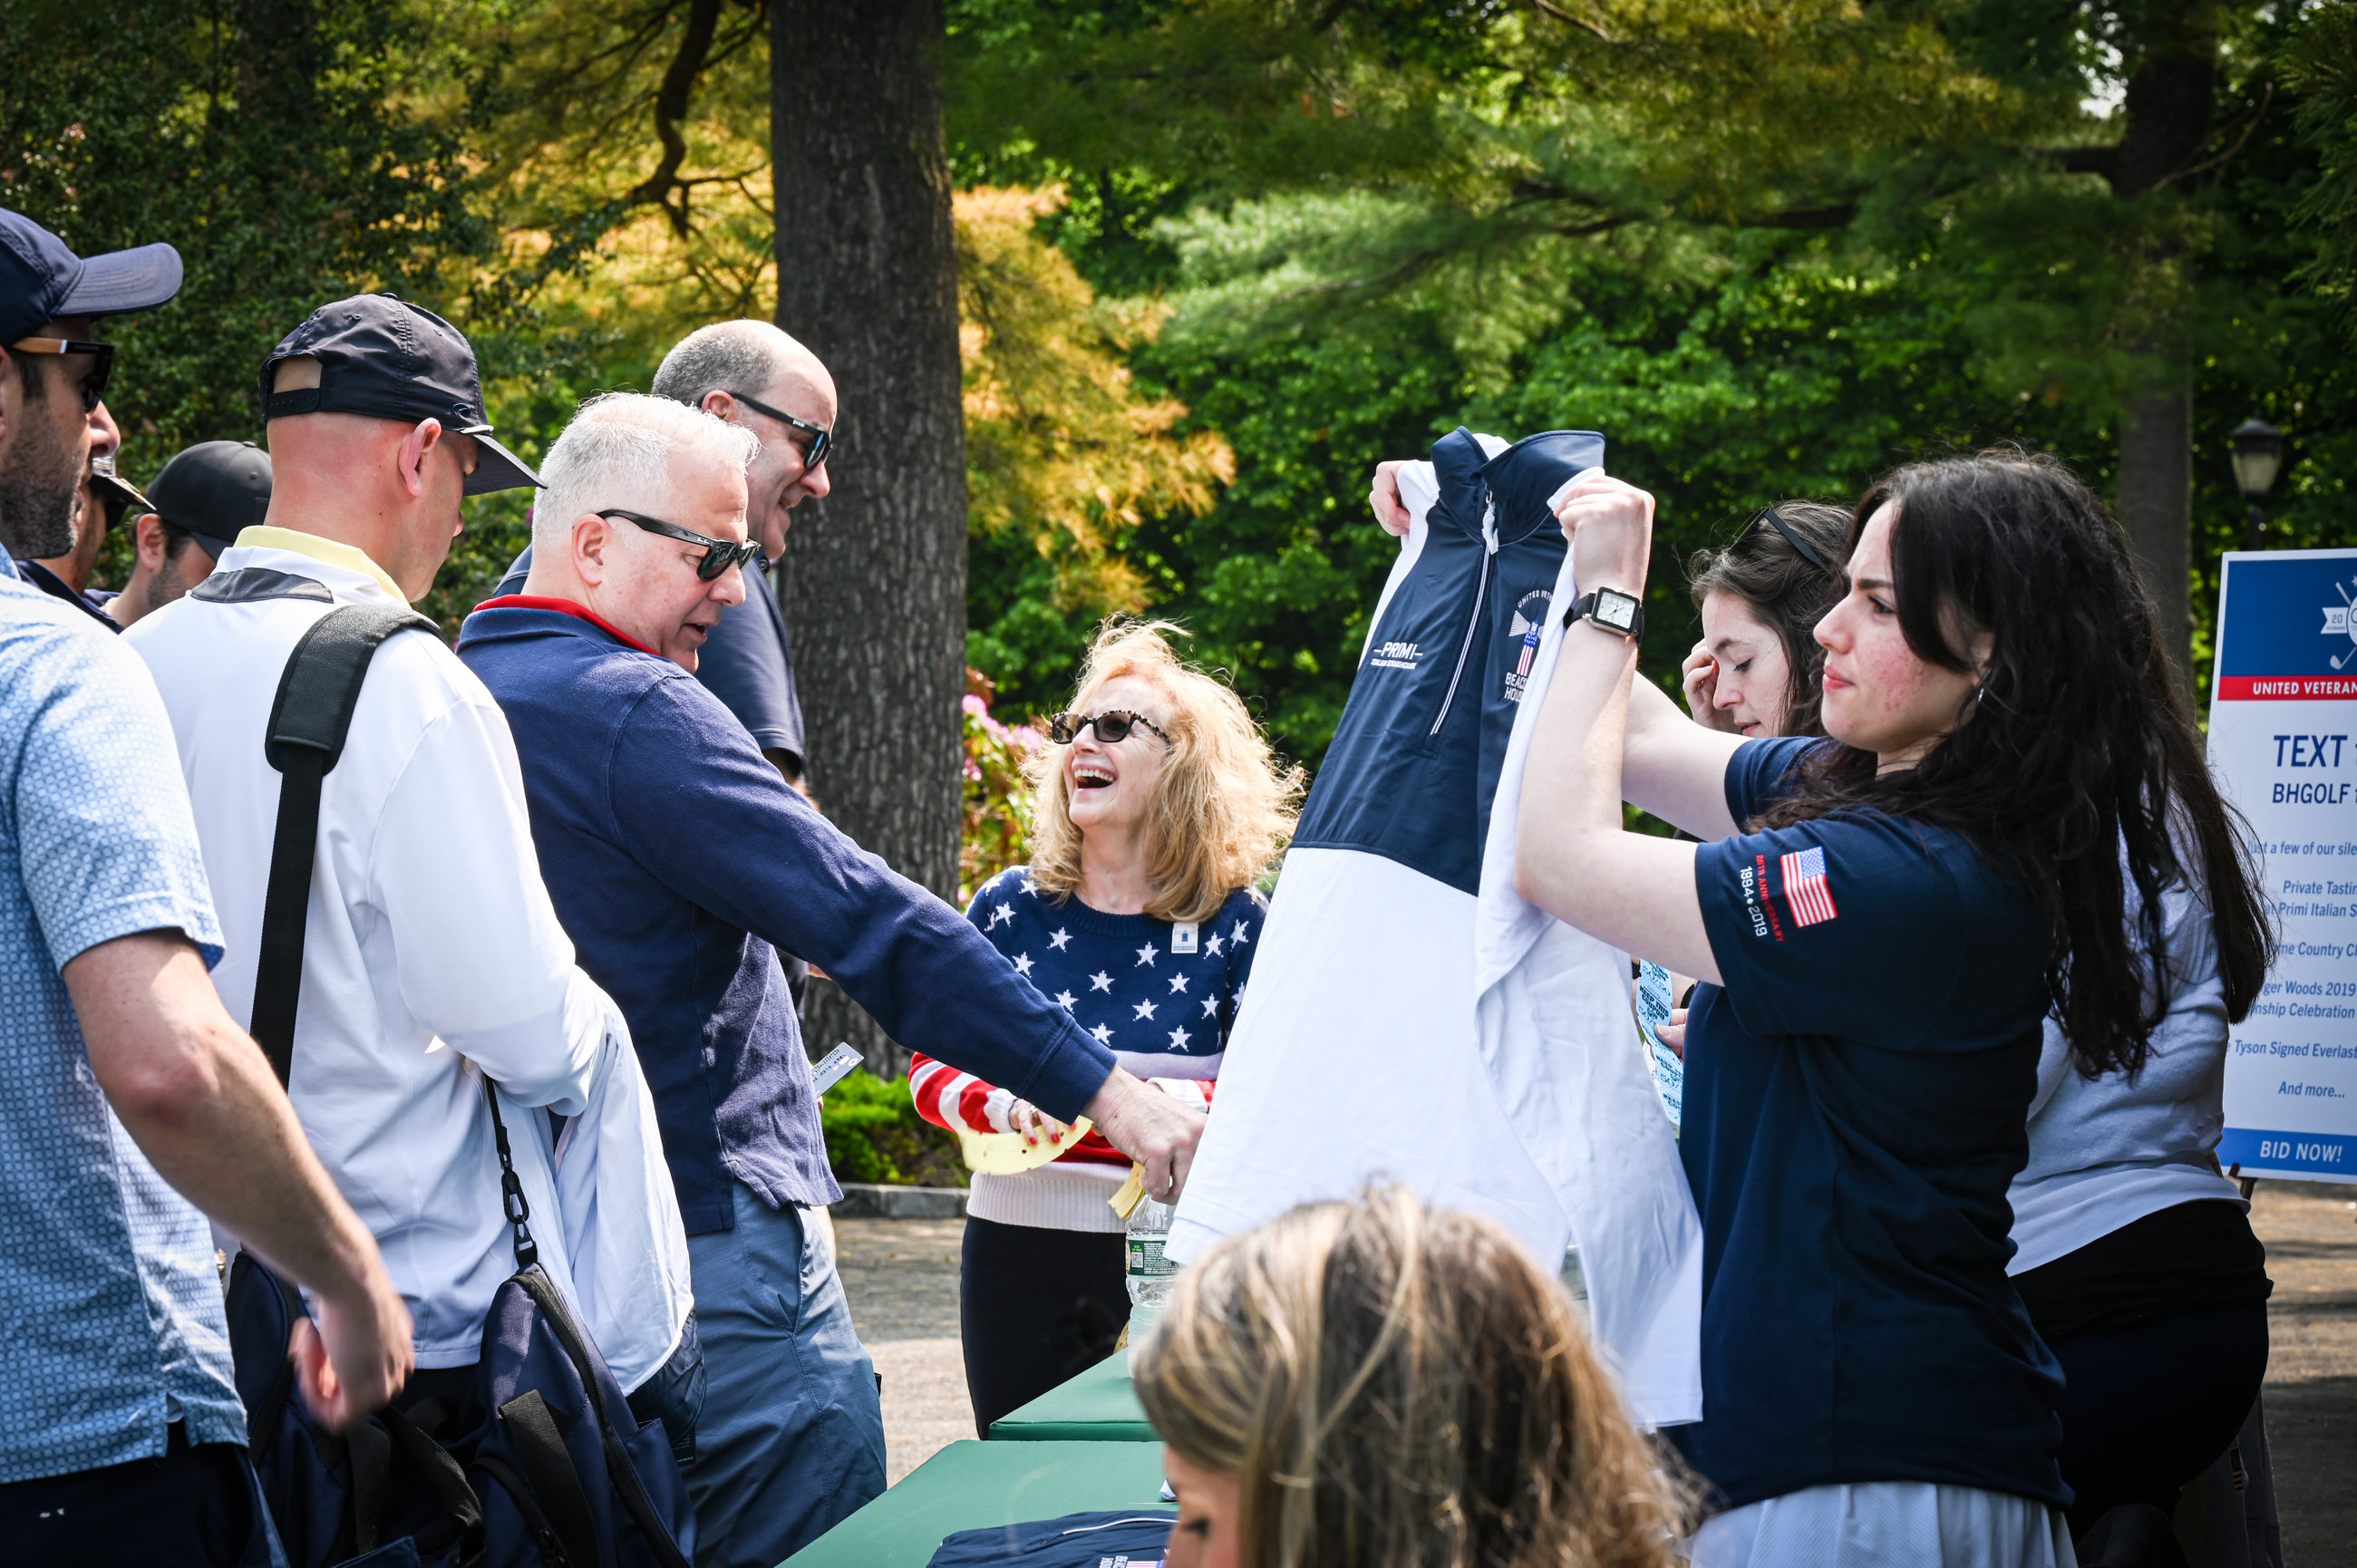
[680,861]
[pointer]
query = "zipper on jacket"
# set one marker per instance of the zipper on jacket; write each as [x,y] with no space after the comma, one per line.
[1473,624]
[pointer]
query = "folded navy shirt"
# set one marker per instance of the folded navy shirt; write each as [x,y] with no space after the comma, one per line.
[678,861]
[1119,1537]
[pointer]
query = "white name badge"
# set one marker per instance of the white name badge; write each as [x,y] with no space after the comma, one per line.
[1182,936]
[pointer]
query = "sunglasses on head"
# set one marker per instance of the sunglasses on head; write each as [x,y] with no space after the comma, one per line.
[720,554]
[93,385]
[1113,726]
[822,439]
[1767,514]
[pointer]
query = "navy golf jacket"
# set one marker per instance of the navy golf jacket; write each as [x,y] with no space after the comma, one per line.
[679,862]
[1415,760]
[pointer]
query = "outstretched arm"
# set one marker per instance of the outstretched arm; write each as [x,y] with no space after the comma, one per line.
[1573,857]
[914,963]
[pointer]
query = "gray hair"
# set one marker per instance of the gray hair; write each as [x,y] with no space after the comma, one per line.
[617,452]
[727,356]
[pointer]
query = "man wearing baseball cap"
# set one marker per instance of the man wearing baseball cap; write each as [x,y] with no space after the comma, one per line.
[133,1106]
[191,514]
[433,959]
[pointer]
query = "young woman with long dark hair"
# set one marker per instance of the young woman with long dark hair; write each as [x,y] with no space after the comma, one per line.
[2131,1251]
[1883,921]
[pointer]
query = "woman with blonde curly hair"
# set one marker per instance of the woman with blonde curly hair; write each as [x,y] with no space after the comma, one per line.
[1375,1385]
[1155,811]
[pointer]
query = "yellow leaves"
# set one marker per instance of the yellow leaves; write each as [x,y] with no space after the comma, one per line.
[1061,447]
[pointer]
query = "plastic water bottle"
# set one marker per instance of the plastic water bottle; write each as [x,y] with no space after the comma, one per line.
[1149,1271]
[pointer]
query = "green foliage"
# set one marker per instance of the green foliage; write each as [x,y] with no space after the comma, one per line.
[997,829]
[274,142]
[2321,65]
[874,1134]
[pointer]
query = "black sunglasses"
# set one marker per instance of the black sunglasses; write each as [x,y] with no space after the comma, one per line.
[821,443]
[1767,514]
[1113,726]
[720,554]
[93,385]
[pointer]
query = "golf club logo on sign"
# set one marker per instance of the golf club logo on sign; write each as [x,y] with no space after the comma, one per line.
[2339,624]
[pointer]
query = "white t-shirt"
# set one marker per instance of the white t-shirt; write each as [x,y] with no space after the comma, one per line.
[2106,1153]
[433,955]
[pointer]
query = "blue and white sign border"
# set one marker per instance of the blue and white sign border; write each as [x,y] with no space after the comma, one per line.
[2283,744]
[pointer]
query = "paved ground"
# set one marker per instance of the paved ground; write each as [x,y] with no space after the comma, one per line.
[902,1279]
[2310,1231]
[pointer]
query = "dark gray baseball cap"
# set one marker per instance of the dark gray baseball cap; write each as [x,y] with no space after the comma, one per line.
[215,490]
[387,358]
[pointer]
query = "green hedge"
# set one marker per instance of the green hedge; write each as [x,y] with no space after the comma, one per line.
[874,1134]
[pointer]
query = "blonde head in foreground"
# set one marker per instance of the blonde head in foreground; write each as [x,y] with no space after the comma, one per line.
[1382,1386]
[1223,806]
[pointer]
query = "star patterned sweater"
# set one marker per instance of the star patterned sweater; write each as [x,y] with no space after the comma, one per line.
[1161,996]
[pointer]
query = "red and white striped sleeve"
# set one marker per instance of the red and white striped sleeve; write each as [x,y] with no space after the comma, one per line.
[956,1100]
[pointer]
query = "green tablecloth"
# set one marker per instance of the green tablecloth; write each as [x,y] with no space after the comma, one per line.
[970,1485]
[1097,1406]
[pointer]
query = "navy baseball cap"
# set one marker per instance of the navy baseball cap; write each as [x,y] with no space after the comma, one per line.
[41,280]
[215,490]
[387,358]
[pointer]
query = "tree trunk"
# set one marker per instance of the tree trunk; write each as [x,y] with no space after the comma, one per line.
[2156,508]
[873,580]
[2170,97]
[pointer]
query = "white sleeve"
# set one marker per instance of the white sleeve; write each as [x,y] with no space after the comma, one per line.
[614,1197]
[1418,487]
[481,959]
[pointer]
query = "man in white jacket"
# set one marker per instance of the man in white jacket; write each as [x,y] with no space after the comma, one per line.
[433,958]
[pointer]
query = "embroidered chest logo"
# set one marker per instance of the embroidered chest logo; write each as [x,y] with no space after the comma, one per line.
[1529,625]
[1806,891]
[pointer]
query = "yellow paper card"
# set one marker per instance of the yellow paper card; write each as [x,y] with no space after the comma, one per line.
[1125,1201]
[1005,1153]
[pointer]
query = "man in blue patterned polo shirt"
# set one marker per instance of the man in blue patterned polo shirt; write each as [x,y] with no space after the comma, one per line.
[128,1099]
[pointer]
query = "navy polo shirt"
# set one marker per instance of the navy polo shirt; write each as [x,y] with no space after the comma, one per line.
[1855,1102]
[679,862]
[747,661]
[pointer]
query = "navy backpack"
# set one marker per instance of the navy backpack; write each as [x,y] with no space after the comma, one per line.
[542,1465]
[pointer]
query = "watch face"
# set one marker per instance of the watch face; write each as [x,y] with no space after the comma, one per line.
[1618,611]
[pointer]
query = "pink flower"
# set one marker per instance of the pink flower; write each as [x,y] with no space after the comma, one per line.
[975,707]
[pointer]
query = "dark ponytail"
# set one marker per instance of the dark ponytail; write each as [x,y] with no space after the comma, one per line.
[2076,759]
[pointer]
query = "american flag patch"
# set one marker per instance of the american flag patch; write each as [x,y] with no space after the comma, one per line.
[1806,889]
[1530,646]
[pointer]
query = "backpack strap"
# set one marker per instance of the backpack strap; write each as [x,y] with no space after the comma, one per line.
[554,1481]
[316,695]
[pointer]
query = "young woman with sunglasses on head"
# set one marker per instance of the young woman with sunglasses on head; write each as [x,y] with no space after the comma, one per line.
[1754,674]
[1156,809]
[1883,923]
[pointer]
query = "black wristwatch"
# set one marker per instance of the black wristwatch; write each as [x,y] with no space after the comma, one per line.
[1612,610]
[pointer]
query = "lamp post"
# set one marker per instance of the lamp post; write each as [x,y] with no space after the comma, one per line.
[2258,457]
